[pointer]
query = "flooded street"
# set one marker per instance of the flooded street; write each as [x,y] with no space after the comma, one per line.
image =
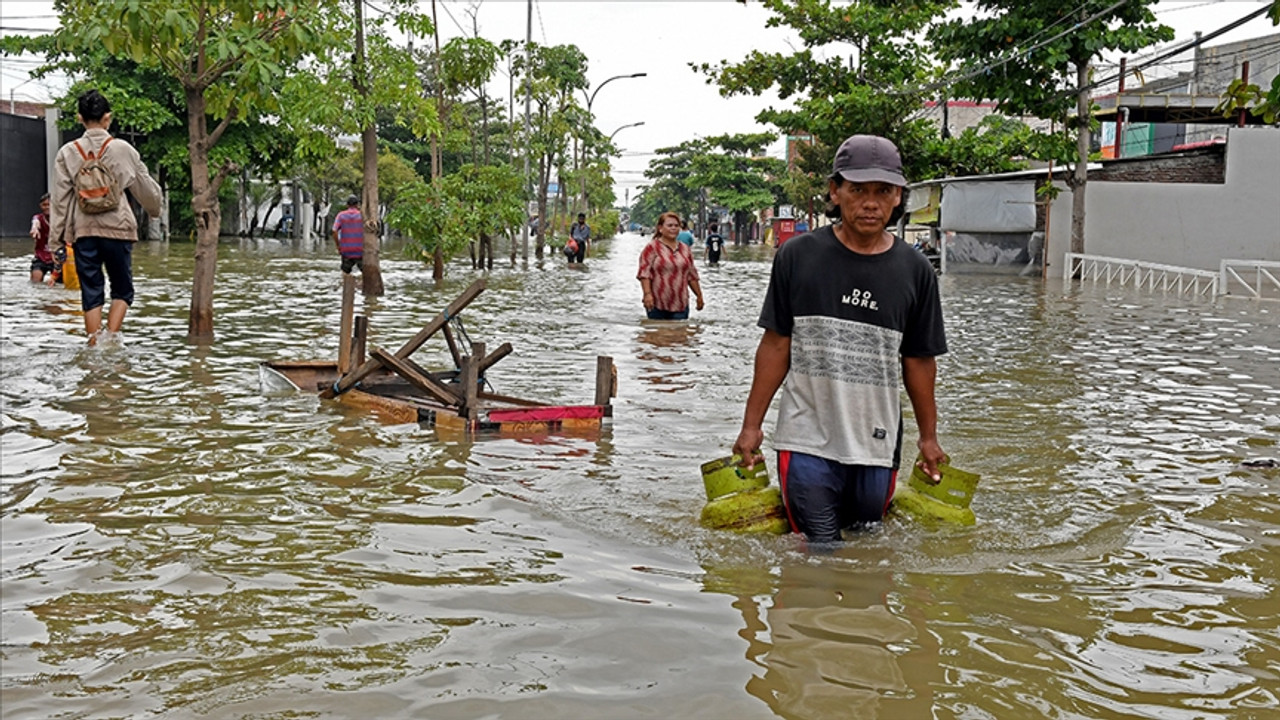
[177,542]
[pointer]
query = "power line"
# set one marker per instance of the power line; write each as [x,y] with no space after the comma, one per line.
[948,81]
[1166,11]
[538,6]
[455,20]
[1197,42]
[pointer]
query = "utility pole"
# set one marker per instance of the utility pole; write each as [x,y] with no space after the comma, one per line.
[1119,148]
[528,146]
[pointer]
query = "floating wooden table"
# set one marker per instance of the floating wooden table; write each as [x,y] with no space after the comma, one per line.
[393,387]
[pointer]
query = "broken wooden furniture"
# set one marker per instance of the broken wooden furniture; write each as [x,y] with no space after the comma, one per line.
[395,387]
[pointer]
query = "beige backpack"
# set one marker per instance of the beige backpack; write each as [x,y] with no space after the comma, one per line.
[97,189]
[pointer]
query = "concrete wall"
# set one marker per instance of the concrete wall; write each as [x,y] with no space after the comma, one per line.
[23,177]
[1188,225]
[1217,66]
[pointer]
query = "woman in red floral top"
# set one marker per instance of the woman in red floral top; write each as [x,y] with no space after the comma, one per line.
[667,272]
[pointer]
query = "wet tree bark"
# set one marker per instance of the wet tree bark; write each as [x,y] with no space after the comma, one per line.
[208,218]
[371,267]
[1082,160]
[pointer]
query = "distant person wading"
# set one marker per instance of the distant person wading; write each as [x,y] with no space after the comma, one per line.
[348,235]
[579,240]
[667,272]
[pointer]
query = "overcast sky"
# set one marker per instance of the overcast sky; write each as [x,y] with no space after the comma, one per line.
[621,38]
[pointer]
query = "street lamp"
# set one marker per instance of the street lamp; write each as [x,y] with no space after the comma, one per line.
[585,140]
[592,97]
[624,127]
[12,104]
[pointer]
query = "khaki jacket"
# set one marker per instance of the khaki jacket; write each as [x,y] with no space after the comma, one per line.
[67,224]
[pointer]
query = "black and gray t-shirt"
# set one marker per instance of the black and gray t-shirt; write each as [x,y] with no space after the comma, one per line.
[850,317]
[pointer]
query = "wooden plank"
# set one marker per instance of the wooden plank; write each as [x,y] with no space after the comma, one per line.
[503,350]
[360,341]
[424,383]
[344,324]
[389,409]
[606,380]
[453,345]
[546,413]
[444,378]
[349,380]
[495,397]
[470,379]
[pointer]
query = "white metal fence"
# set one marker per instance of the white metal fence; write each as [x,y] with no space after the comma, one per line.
[1255,279]
[1142,275]
[1258,279]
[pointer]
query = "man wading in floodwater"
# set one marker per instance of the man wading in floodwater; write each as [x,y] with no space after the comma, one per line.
[847,306]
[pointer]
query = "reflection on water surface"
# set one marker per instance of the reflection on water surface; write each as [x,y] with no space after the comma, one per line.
[178,543]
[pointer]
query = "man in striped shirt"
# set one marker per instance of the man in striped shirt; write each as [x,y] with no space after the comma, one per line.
[348,234]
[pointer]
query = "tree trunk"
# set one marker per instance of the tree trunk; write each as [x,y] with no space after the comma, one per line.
[275,203]
[242,199]
[544,172]
[437,165]
[484,123]
[370,267]
[208,219]
[1082,161]
[561,202]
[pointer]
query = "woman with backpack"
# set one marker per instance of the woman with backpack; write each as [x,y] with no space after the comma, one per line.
[88,209]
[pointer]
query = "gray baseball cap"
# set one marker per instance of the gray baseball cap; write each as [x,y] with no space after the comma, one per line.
[353,200]
[869,158]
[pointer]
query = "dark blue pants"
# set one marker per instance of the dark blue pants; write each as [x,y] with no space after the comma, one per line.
[93,254]
[823,496]
[657,314]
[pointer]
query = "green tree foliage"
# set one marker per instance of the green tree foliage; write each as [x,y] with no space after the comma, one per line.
[442,217]
[1024,54]
[731,170]
[996,144]
[342,174]
[1273,95]
[463,67]
[672,189]
[342,92]
[330,180]
[227,58]
[1033,57]
[841,82]
[322,103]
[861,70]
[647,206]
[425,218]
[553,74]
[737,176]
[149,109]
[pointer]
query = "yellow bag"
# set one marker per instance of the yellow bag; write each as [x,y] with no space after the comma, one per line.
[70,280]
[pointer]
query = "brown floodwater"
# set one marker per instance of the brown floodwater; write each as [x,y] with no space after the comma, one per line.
[179,541]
